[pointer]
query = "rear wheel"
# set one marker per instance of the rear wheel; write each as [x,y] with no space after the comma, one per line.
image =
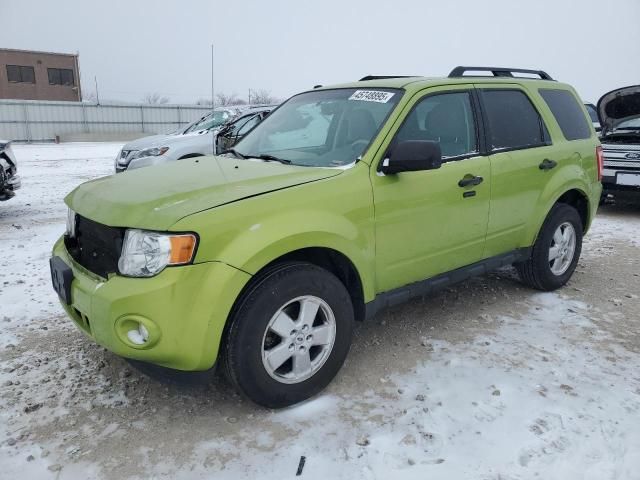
[556,252]
[290,335]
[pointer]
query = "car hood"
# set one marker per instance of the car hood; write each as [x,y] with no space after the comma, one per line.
[156,198]
[617,106]
[147,142]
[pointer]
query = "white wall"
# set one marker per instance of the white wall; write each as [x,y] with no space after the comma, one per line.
[31,120]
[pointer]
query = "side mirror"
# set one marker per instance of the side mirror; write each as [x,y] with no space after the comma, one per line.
[412,156]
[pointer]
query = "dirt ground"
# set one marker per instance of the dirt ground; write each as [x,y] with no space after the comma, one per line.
[488,379]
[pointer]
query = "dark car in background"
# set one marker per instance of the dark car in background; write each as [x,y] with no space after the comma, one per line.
[9,179]
[619,113]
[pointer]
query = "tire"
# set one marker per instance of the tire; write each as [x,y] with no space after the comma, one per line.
[539,271]
[260,324]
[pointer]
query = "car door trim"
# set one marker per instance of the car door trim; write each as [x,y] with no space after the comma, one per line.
[438,282]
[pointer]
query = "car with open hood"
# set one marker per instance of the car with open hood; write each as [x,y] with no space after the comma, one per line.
[9,178]
[619,112]
[343,201]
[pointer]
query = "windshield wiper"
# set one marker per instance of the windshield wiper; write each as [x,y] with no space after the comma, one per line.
[233,151]
[271,158]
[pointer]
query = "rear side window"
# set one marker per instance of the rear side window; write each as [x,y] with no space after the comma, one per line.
[513,120]
[568,113]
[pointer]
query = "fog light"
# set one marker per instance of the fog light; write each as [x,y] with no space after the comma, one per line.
[139,336]
[137,331]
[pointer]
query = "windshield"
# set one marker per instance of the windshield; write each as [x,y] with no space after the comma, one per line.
[209,121]
[324,128]
[631,124]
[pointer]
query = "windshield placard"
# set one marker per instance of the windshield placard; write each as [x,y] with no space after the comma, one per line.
[371,96]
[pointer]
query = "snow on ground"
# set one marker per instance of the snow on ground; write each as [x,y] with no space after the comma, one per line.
[488,380]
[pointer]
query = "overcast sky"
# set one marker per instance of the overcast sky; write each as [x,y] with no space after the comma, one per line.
[144,46]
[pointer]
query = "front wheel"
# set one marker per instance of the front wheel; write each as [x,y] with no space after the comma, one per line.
[556,252]
[289,335]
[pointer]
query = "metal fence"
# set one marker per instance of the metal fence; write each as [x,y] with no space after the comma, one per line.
[32,120]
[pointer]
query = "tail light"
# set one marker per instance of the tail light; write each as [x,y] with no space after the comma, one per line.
[600,161]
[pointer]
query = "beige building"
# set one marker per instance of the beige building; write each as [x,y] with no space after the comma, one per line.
[30,75]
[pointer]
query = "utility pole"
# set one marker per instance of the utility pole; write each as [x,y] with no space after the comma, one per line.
[213,106]
[249,96]
[95,79]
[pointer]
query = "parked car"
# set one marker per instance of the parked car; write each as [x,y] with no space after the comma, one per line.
[343,201]
[194,140]
[592,110]
[619,113]
[232,132]
[9,178]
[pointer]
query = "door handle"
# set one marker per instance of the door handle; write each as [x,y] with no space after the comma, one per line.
[470,181]
[547,164]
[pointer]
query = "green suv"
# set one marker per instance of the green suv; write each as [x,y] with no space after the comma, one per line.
[343,201]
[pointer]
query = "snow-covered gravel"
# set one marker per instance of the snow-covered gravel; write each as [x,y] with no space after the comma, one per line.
[487,380]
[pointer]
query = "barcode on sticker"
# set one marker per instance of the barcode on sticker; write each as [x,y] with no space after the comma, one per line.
[371,96]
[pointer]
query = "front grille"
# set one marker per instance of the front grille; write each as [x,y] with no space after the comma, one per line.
[619,164]
[95,246]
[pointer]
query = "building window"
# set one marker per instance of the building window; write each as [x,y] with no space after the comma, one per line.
[20,74]
[60,76]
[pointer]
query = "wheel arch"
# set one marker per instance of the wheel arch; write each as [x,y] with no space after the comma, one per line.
[329,259]
[573,195]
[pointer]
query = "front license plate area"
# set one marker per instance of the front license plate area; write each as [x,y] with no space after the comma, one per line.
[61,278]
[631,179]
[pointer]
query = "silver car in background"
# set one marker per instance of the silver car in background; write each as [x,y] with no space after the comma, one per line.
[195,140]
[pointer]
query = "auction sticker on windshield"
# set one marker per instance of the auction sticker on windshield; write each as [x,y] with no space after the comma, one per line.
[371,96]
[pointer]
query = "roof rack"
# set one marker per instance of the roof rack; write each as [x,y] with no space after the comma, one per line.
[383,77]
[498,72]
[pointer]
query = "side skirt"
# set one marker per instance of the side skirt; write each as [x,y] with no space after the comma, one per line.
[433,284]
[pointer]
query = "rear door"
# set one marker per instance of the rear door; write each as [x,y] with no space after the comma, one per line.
[522,158]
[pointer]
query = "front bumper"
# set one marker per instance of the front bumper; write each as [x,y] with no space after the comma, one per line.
[184,309]
[8,186]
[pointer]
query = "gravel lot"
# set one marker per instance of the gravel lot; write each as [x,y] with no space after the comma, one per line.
[487,380]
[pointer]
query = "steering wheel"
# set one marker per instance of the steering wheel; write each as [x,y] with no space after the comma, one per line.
[359,146]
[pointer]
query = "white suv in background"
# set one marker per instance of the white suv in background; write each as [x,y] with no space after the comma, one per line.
[194,140]
[619,112]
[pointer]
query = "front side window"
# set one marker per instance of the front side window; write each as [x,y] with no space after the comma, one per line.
[248,124]
[513,120]
[444,118]
[20,74]
[567,112]
[322,128]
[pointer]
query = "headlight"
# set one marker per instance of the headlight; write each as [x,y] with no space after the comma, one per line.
[145,253]
[151,152]
[71,223]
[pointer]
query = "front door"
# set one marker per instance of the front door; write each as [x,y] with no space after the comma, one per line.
[429,222]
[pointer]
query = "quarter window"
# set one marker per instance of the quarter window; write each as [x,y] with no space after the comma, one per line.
[60,76]
[20,74]
[568,113]
[445,118]
[513,121]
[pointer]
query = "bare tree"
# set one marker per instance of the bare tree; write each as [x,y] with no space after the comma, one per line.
[223,100]
[155,99]
[205,102]
[262,97]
